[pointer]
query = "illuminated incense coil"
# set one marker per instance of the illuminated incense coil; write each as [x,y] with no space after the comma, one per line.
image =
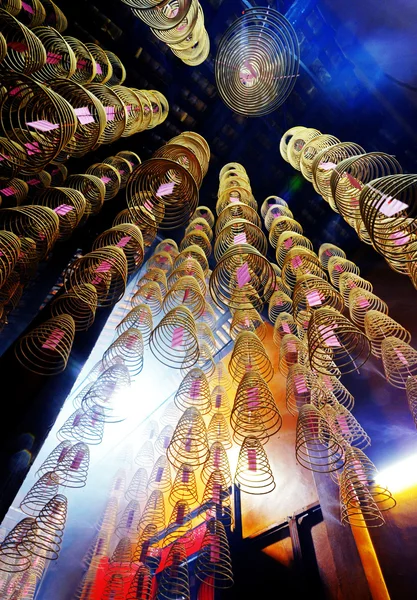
[114,108]
[379,326]
[203,212]
[10,246]
[197,144]
[194,391]
[196,237]
[160,477]
[68,204]
[279,303]
[213,564]
[185,292]
[44,538]
[122,166]
[286,138]
[132,158]
[316,447]
[14,194]
[311,293]
[33,13]
[114,588]
[194,252]
[138,487]
[336,266]
[242,278]
[300,381]
[255,413]
[25,52]
[216,499]
[174,581]
[284,324]
[237,210]
[13,7]
[349,281]
[344,426]
[141,585]
[128,523]
[150,430]
[150,295]
[205,360]
[220,401]
[298,262]
[36,223]
[119,562]
[235,195]
[130,348]
[14,558]
[74,471]
[329,384]
[139,318]
[221,377]
[147,551]
[288,240]
[218,431]
[38,118]
[184,157]
[45,349]
[83,426]
[205,335]
[291,352]
[153,512]
[109,175]
[155,274]
[92,188]
[40,182]
[117,68]
[92,560]
[296,144]
[279,284]
[360,302]
[247,320]
[324,163]
[103,395]
[281,224]
[399,360]
[132,101]
[271,201]
[164,188]
[190,268]
[40,493]
[54,459]
[167,245]
[352,174]
[158,19]
[129,239]
[85,64]
[253,471]
[249,354]
[163,439]
[189,441]
[104,69]
[274,212]
[60,59]
[208,317]
[104,268]
[145,456]
[184,488]
[174,341]
[310,151]
[160,260]
[180,526]
[239,231]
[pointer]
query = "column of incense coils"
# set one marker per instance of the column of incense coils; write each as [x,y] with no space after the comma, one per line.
[179,24]
[368,189]
[317,345]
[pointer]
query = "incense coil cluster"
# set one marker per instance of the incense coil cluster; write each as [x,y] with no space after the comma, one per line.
[194,252]
[153,513]
[249,354]
[45,535]
[237,210]
[312,292]
[84,426]
[399,360]
[298,262]
[257,62]
[349,281]
[379,326]
[122,166]
[40,493]
[270,201]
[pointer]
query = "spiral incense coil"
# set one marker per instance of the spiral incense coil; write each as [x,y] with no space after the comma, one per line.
[336,266]
[194,252]
[335,387]
[197,144]
[300,381]
[151,430]
[233,167]
[311,293]
[184,157]
[97,551]
[170,415]
[92,188]
[45,535]
[150,295]
[327,251]
[189,268]
[145,457]
[205,361]
[147,551]
[84,426]
[174,341]
[271,201]
[25,52]
[186,293]
[360,302]
[157,17]
[139,318]
[237,210]
[103,395]
[132,158]
[129,239]
[13,7]
[159,106]
[115,111]
[119,564]
[330,334]
[203,212]
[205,335]
[174,580]
[289,240]
[33,13]
[399,360]
[68,204]
[274,212]
[114,588]
[180,525]
[60,59]
[281,224]
[75,466]
[279,303]
[107,522]
[13,557]
[138,487]
[130,348]
[168,245]
[213,564]
[344,426]
[299,262]
[13,157]
[103,70]
[352,174]
[254,412]
[153,512]
[14,194]
[45,350]
[155,274]
[165,188]
[325,161]
[189,441]
[160,477]
[235,196]
[249,354]
[128,523]
[109,175]
[40,493]
[10,293]
[123,167]
[54,459]
[105,268]
[279,284]
[255,73]
[291,352]
[218,431]
[316,447]
[310,151]
[194,391]
[242,278]
[54,16]
[301,137]
[216,499]
[10,246]
[357,505]
[163,439]
[287,137]
[253,472]
[141,585]
[221,377]
[199,52]
[40,182]
[379,326]
[349,281]
[160,260]
[196,238]
[239,231]
[247,320]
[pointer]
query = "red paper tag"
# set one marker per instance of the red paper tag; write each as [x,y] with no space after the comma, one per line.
[53,340]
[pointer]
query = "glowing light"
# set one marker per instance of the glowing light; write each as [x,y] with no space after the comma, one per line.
[400,476]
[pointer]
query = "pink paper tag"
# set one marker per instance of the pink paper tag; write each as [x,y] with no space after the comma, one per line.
[28,8]
[331,340]
[121,171]
[296,262]
[240,238]
[109,110]
[195,389]
[33,181]
[291,347]
[399,238]
[328,253]
[218,402]
[177,337]
[180,514]
[129,109]
[243,275]
[252,459]
[288,243]
[159,473]
[217,457]
[54,339]
[81,63]
[328,382]
[52,58]
[300,384]
[233,199]
[391,206]
[33,148]
[63,209]
[99,70]
[42,125]
[198,227]
[253,398]
[338,268]
[165,189]
[104,266]
[131,341]
[363,302]
[167,439]
[354,202]
[314,298]
[285,327]
[148,205]
[185,476]
[19,47]
[9,191]
[215,548]
[401,356]
[353,181]
[84,115]
[125,240]
[167,248]
[188,443]
[186,294]
[343,424]
[217,488]
[327,166]
[105,179]
[78,459]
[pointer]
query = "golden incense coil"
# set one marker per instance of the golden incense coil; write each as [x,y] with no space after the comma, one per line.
[189,441]
[253,471]
[214,565]
[249,354]
[174,341]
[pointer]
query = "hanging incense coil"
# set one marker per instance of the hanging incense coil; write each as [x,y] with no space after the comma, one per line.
[274,212]
[337,266]
[213,564]
[151,430]
[196,238]
[139,318]
[25,52]
[325,161]
[297,143]
[312,292]
[316,447]
[184,488]
[75,467]
[118,566]
[110,176]
[279,303]
[37,183]
[149,295]
[129,239]
[163,439]
[255,79]
[107,522]
[145,456]
[160,260]
[291,353]
[118,71]
[310,151]
[186,293]
[189,268]
[134,109]
[281,224]
[279,284]
[235,196]
[40,493]
[239,231]
[379,326]
[218,431]
[221,377]
[105,268]
[170,415]
[148,232]
[68,204]
[200,224]
[84,426]
[344,426]
[54,16]
[330,334]
[160,477]
[249,354]
[288,240]
[349,281]
[45,535]
[216,499]
[114,108]
[155,274]
[14,558]
[32,111]
[234,180]
[180,525]
[122,166]
[92,188]
[174,341]
[286,138]
[132,158]
[253,472]
[194,252]
[284,324]
[254,412]
[153,512]
[114,588]
[85,64]
[137,489]
[10,247]
[399,360]
[242,278]
[198,146]
[183,156]
[14,194]
[360,302]
[104,69]
[203,212]
[147,551]
[247,320]
[32,13]
[194,391]
[80,304]
[174,581]
[103,395]
[205,335]
[271,201]
[128,523]
[220,401]
[333,385]
[237,210]
[300,381]
[167,245]
[141,585]
[13,7]
[298,262]
[97,551]
[60,59]
[205,360]
[13,158]
[165,188]
[55,458]
[45,350]
[189,441]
